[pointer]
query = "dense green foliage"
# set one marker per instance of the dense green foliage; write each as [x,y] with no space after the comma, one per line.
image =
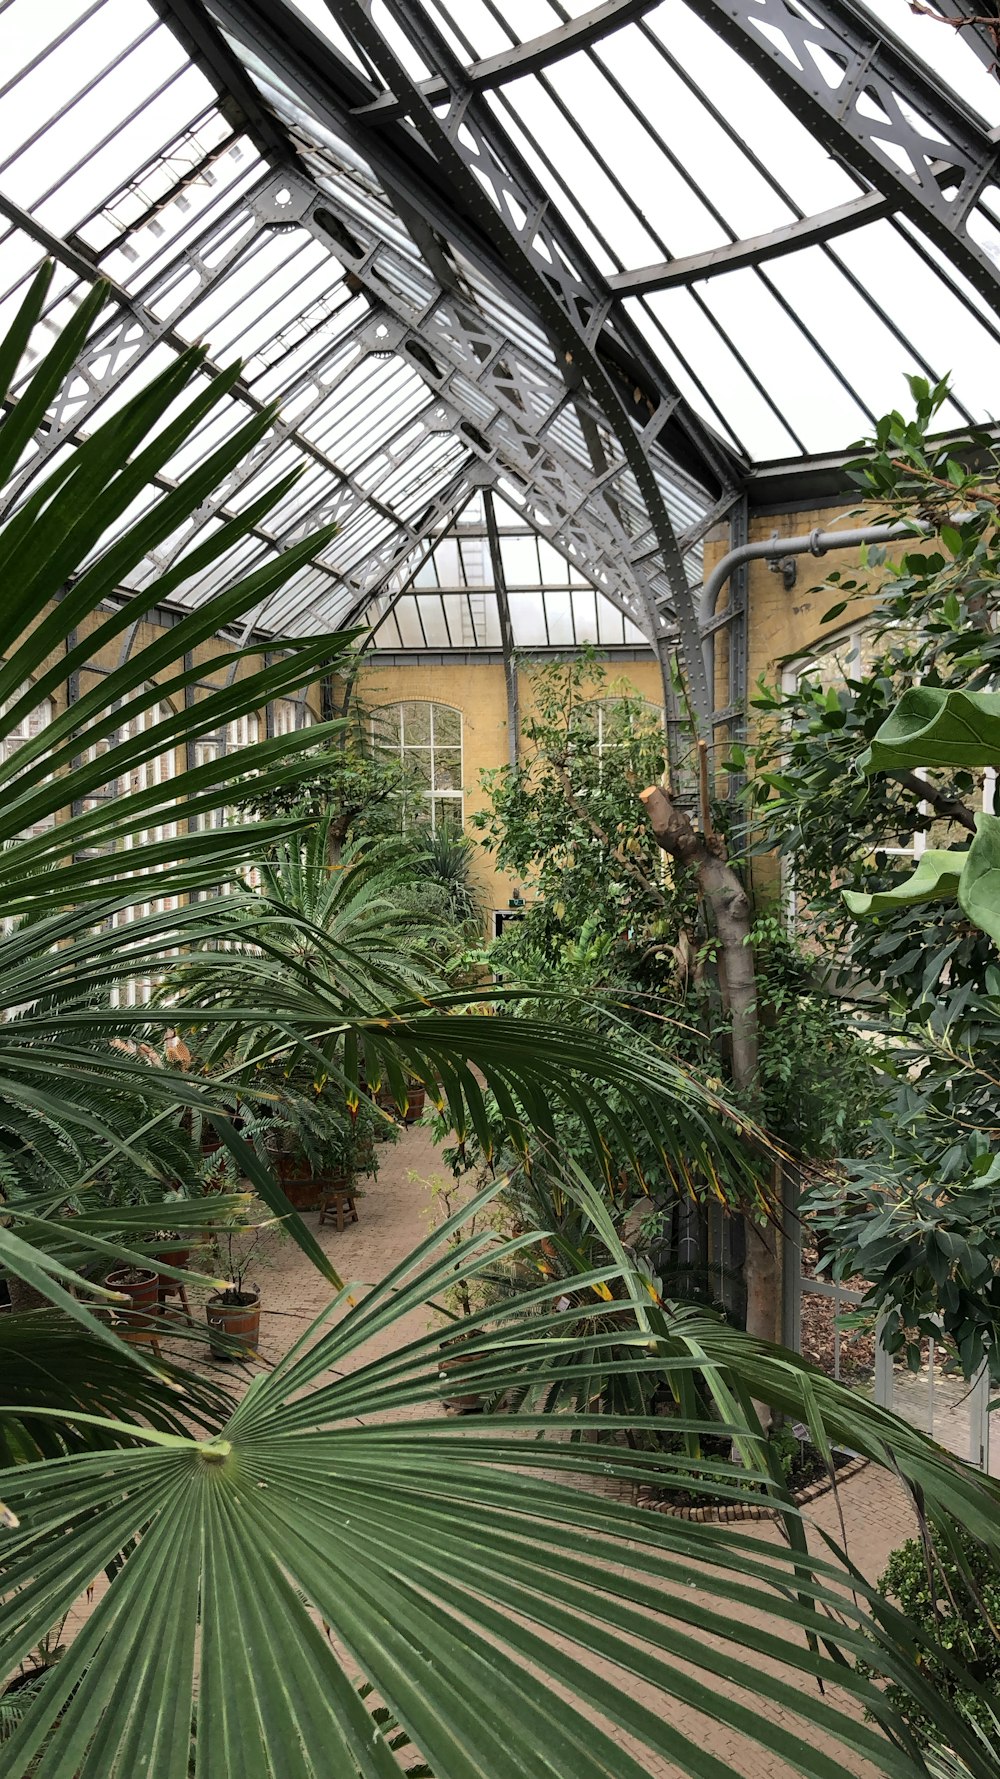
[954,1595]
[505,1620]
[916,1215]
[610,920]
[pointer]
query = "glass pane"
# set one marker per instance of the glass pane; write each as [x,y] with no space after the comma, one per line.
[447,769]
[416,725]
[418,769]
[385,726]
[447,726]
[520,561]
[447,813]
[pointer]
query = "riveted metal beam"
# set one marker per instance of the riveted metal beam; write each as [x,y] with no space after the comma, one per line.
[530,57]
[469,151]
[755,250]
[866,97]
[330,89]
[506,632]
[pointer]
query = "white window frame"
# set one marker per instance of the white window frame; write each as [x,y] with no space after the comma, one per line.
[402,748]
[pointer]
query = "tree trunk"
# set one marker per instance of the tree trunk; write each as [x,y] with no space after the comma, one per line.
[722,890]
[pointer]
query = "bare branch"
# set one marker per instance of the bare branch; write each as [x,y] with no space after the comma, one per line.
[952,808]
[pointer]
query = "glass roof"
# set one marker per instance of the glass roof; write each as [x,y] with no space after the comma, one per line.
[453,601]
[709,280]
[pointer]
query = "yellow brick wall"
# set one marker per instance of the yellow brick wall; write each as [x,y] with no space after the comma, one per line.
[479,692]
[780,623]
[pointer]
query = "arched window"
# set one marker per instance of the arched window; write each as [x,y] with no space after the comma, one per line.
[289,714]
[427,739]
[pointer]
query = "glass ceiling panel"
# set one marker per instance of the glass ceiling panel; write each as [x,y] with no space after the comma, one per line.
[409,366]
[450,600]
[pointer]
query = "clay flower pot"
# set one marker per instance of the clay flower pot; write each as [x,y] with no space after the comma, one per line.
[415,1097]
[463,1402]
[142,1286]
[233,1323]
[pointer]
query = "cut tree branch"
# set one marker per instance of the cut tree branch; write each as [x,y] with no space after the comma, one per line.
[951,808]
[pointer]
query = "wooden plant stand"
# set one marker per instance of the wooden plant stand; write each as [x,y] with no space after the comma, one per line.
[338,1201]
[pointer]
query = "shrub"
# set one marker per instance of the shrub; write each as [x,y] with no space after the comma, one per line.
[944,1603]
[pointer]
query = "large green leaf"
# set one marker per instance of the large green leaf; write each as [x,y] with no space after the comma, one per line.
[934,727]
[935,879]
[979,885]
[511,1623]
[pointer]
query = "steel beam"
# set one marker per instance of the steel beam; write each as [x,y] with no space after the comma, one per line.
[469,151]
[754,251]
[330,90]
[506,633]
[532,57]
[859,90]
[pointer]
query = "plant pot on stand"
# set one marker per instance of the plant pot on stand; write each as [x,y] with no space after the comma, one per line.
[295,1174]
[234,1323]
[169,1287]
[139,1323]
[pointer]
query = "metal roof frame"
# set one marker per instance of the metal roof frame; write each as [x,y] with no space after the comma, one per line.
[468,333]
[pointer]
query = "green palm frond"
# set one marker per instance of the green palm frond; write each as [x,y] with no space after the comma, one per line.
[63,551]
[49,1362]
[509,1622]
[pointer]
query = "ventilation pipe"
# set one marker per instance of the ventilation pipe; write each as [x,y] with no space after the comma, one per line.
[813,543]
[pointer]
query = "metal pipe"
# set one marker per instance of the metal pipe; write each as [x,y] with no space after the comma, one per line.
[814,543]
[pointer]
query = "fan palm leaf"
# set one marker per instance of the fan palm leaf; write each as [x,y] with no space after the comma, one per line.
[509,1622]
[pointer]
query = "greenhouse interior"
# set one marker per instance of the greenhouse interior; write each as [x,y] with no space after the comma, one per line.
[500,892]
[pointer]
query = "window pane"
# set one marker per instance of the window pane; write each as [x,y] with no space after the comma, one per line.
[447,769]
[418,769]
[416,725]
[447,726]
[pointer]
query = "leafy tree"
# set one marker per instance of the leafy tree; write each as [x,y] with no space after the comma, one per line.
[495,1611]
[915,1213]
[614,919]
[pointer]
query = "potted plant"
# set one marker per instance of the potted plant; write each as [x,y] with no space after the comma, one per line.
[141,1285]
[233,1315]
[319,1147]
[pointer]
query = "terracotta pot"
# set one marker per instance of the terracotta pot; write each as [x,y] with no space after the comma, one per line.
[170,1257]
[463,1402]
[144,1293]
[415,1097]
[233,1325]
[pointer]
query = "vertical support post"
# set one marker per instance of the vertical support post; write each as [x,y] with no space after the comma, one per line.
[506,631]
[738,636]
[883,1369]
[979,1421]
[791,1257]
